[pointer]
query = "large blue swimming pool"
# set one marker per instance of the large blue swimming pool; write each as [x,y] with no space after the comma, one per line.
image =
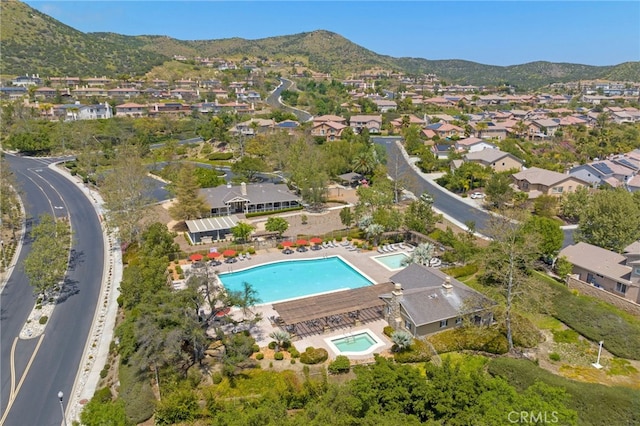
[296,278]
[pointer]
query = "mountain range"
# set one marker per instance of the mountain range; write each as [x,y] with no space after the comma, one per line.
[33,42]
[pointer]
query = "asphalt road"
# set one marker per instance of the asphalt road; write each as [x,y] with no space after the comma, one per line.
[274,101]
[444,201]
[44,367]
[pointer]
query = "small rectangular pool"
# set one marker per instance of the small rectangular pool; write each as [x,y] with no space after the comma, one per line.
[392,261]
[359,343]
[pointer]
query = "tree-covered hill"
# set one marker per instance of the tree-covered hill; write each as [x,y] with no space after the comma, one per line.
[33,42]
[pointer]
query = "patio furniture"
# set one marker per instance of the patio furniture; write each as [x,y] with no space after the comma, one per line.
[247,256]
[380,249]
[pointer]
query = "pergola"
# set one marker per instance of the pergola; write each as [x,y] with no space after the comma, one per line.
[316,314]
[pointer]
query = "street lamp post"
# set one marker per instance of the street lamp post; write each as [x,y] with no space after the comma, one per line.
[64,419]
[597,363]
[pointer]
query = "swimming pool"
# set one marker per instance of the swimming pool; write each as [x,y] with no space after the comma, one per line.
[291,279]
[359,343]
[392,261]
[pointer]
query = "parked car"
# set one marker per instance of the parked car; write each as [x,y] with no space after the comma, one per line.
[477,195]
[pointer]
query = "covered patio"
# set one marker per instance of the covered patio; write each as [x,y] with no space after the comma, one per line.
[211,228]
[326,312]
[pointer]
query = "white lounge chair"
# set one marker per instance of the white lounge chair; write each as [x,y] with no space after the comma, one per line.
[401,246]
[241,256]
[247,256]
[380,249]
[392,247]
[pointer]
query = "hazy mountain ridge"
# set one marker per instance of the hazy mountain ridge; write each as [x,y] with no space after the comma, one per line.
[33,42]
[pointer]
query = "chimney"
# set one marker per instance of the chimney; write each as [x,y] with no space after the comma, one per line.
[243,188]
[447,284]
[395,319]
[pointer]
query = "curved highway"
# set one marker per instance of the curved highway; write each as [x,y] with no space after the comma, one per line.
[35,370]
[444,201]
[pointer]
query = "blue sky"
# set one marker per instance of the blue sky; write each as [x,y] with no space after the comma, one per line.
[497,33]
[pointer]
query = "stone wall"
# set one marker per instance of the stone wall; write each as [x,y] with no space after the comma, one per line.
[617,301]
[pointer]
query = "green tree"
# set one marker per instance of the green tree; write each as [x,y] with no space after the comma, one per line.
[189,203]
[103,413]
[46,263]
[420,217]
[421,255]
[246,168]
[548,234]
[346,217]
[611,220]
[508,258]
[411,136]
[545,205]
[242,231]
[126,191]
[498,190]
[277,224]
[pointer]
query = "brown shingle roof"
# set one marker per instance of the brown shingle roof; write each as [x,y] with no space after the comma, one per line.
[598,260]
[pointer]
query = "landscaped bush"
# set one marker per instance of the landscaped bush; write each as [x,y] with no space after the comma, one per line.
[259,356]
[339,365]
[294,352]
[251,250]
[272,345]
[419,351]
[255,348]
[597,320]
[43,319]
[565,336]
[596,404]
[104,372]
[270,212]
[278,356]
[554,356]
[136,392]
[388,330]
[461,271]
[221,156]
[486,339]
[314,356]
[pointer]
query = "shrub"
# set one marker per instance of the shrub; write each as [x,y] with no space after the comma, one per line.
[340,365]
[178,269]
[255,348]
[461,271]
[216,378]
[565,336]
[278,356]
[486,339]
[221,156]
[104,372]
[314,356]
[43,319]
[272,345]
[388,330]
[294,352]
[259,356]
[554,356]
[251,250]
[419,351]
[293,361]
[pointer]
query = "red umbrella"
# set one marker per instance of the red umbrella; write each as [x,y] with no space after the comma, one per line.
[287,243]
[213,254]
[195,257]
[316,240]
[301,243]
[229,253]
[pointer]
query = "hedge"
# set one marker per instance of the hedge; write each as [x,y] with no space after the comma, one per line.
[419,351]
[340,365]
[221,156]
[485,339]
[290,209]
[314,356]
[461,271]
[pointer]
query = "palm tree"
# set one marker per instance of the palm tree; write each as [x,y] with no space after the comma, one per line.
[281,338]
[401,339]
[373,232]
[364,162]
[480,127]
[421,255]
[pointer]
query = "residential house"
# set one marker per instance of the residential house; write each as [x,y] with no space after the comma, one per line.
[412,120]
[249,198]
[330,130]
[613,272]
[442,151]
[333,118]
[425,301]
[95,112]
[184,94]
[498,160]
[473,144]
[169,108]
[27,80]
[86,92]
[536,182]
[13,92]
[607,172]
[385,105]
[446,131]
[493,130]
[131,110]
[123,92]
[97,81]
[544,127]
[371,122]
[45,93]
[253,127]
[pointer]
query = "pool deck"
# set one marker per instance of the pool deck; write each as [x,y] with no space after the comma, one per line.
[360,260]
